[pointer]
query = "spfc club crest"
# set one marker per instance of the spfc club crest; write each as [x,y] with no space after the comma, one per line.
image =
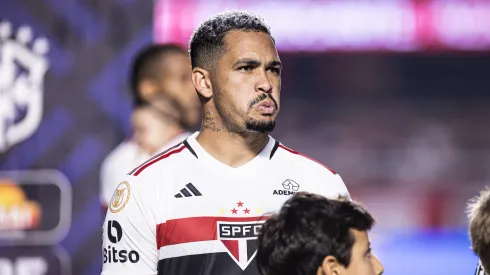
[240,240]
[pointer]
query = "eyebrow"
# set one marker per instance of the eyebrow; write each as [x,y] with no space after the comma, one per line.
[275,64]
[255,62]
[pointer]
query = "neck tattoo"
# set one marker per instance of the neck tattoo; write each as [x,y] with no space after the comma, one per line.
[209,123]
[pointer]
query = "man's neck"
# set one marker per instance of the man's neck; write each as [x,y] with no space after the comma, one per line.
[231,148]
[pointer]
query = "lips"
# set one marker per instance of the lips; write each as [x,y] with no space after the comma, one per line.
[266,103]
[266,107]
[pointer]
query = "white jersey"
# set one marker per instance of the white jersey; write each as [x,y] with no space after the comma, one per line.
[480,270]
[122,159]
[185,213]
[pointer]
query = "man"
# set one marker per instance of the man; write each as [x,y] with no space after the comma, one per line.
[479,229]
[313,235]
[198,208]
[158,71]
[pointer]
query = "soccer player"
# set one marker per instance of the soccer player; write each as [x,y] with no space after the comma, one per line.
[479,229]
[197,208]
[313,235]
[157,70]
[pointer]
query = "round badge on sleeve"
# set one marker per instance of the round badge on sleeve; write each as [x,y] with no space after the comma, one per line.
[120,197]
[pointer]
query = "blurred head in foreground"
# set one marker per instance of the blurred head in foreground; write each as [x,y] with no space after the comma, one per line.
[315,235]
[479,228]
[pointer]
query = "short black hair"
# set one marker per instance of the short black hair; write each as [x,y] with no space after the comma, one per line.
[307,229]
[207,42]
[479,226]
[144,65]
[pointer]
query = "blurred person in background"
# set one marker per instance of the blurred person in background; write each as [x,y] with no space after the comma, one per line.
[159,73]
[313,235]
[154,124]
[479,229]
[197,208]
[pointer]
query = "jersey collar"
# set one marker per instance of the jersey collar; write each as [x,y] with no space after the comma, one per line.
[195,148]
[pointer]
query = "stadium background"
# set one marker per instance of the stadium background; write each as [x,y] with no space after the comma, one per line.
[393,95]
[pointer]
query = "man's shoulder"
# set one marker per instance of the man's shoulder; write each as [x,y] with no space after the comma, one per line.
[312,175]
[303,161]
[168,160]
[175,141]
[123,152]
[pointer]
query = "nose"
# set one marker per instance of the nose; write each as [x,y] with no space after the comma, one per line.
[263,83]
[378,266]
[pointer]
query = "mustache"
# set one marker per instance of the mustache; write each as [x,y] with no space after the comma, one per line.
[261,98]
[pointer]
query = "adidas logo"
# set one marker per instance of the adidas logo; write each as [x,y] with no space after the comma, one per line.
[190,191]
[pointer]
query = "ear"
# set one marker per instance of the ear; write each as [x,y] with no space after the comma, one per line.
[330,266]
[202,82]
[147,88]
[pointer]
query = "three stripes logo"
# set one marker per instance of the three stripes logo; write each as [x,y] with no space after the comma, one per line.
[189,191]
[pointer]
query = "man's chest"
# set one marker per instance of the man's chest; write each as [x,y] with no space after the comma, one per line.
[233,194]
[215,214]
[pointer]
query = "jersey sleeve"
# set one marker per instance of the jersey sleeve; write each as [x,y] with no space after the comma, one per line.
[335,188]
[479,269]
[129,230]
[107,181]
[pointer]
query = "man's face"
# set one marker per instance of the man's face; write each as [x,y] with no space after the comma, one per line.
[247,82]
[175,82]
[362,262]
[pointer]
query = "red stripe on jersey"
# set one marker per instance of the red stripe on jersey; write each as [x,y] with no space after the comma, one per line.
[314,160]
[163,156]
[196,229]
[155,157]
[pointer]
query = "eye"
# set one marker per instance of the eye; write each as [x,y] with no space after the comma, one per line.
[368,254]
[245,68]
[275,70]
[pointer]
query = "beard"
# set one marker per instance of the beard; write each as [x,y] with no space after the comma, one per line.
[260,125]
[234,121]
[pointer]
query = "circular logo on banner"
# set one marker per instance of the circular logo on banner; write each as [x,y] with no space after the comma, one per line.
[120,197]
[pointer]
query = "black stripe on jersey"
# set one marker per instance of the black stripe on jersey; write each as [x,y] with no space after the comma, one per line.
[154,157]
[274,149]
[193,189]
[185,192]
[190,148]
[479,269]
[204,264]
